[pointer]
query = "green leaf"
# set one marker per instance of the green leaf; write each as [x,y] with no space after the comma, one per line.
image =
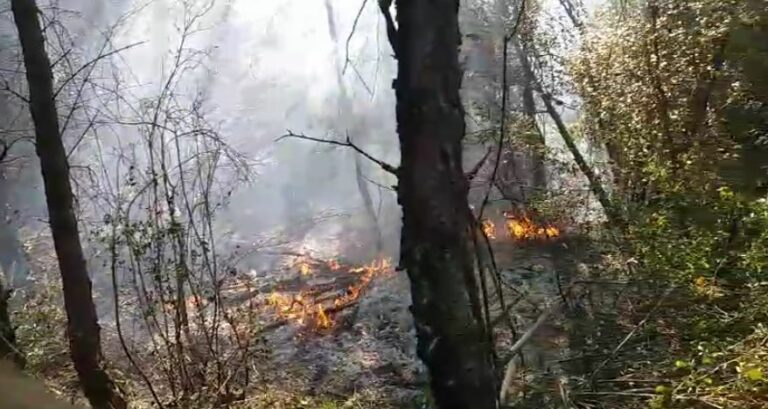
[755,374]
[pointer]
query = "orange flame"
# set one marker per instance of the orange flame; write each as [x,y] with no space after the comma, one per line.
[307,308]
[523,228]
[489,229]
[323,321]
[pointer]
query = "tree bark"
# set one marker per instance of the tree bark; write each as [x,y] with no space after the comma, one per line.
[8,347]
[82,326]
[432,190]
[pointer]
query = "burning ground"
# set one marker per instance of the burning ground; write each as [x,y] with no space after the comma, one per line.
[302,321]
[342,329]
[330,328]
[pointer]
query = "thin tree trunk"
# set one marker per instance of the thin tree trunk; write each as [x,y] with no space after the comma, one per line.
[9,349]
[539,145]
[432,190]
[370,211]
[595,185]
[345,109]
[82,326]
[13,259]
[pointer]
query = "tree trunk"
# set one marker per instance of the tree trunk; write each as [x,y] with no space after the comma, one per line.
[358,128]
[82,326]
[595,185]
[13,260]
[432,190]
[538,146]
[8,348]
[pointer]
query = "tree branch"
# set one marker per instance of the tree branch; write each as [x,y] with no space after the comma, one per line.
[7,88]
[89,63]
[475,169]
[7,147]
[504,96]
[346,143]
[511,367]
[349,37]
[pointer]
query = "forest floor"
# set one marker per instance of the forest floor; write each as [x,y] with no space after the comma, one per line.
[365,354]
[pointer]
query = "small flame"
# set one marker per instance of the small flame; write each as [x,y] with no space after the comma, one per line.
[305,269]
[552,231]
[489,229]
[523,228]
[323,321]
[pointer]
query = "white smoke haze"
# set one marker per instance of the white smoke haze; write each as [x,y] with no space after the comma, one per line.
[233,77]
[261,68]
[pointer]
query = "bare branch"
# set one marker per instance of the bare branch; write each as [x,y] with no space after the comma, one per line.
[7,88]
[351,33]
[502,124]
[347,143]
[518,20]
[475,169]
[61,57]
[7,147]
[511,367]
[92,62]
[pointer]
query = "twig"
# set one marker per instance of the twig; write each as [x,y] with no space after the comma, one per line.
[347,143]
[349,37]
[631,394]
[510,371]
[61,57]
[475,169]
[519,19]
[91,62]
[502,127]
[504,93]
[632,333]
[7,88]
[7,147]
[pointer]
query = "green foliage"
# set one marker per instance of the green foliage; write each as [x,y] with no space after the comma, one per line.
[676,91]
[689,238]
[41,325]
[671,88]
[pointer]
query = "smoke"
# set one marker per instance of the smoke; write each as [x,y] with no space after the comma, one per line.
[264,68]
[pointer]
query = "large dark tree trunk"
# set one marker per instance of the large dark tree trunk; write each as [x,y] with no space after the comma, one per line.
[432,191]
[83,329]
